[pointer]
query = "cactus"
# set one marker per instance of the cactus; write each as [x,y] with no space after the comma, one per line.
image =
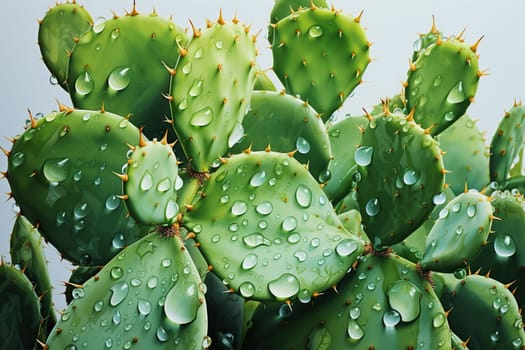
[209,204]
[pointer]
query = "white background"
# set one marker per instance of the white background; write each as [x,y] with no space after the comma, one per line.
[392,27]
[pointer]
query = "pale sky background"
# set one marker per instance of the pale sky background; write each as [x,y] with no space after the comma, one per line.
[392,27]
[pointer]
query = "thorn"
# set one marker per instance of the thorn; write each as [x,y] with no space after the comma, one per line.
[358,18]
[483,73]
[412,66]
[189,207]
[32,119]
[292,153]
[220,20]
[142,142]
[508,285]
[268,148]
[368,115]
[64,108]
[170,98]
[170,70]
[289,303]
[474,47]
[134,10]
[248,150]
[410,116]
[190,235]
[196,33]
[124,197]
[6,152]
[102,109]
[434,28]
[123,177]
[164,139]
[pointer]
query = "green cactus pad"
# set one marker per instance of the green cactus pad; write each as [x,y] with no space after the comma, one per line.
[78,277]
[383,304]
[19,310]
[27,251]
[211,90]
[425,40]
[58,33]
[263,82]
[151,183]
[459,233]
[149,296]
[442,83]
[121,65]
[268,230]
[286,124]
[506,143]
[320,55]
[484,311]
[400,172]
[345,137]
[61,175]
[466,155]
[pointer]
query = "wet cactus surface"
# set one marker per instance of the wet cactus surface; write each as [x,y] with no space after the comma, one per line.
[210,203]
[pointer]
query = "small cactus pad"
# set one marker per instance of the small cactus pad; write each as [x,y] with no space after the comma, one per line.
[506,143]
[285,124]
[19,310]
[211,90]
[400,172]
[70,191]
[151,182]
[442,83]
[58,33]
[27,252]
[320,55]
[496,322]
[149,296]
[120,65]
[345,137]
[268,230]
[466,155]
[459,233]
[383,304]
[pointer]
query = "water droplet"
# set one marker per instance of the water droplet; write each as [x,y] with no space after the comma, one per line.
[391,318]
[303,196]
[439,198]
[18,159]
[112,202]
[373,207]
[98,306]
[410,177]
[116,272]
[239,208]
[456,94]
[443,213]
[71,347]
[249,261]
[302,145]
[146,182]
[144,307]
[247,289]
[301,255]
[164,185]
[108,343]
[504,246]
[315,242]
[315,31]
[162,335]
[182,303]
[363,155]
[418,80]
[294,238]
[517,343]
[437,81]
[81,210]
[119,78]
[255,239]
[494,337]
[355,312]
[115,33]
[289,224]
[99,25]
[439,320]
[199,53]
[471,210]
[264,208]
[202,117]
[355,332]
[196,88]
[183,104]
[186,69]
[219,44]
[346,247]
[56,170]
[449,116]
[119,292]
[284,287]
[84,84]
[116,318]
[404,297]
[258,178]
[172,209]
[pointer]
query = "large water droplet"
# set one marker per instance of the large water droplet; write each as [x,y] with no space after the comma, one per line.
[404,297]
[471,210]
[264,208]
[303,196]
[182,302]
[284,287]
[144,307]
[56,170]
[346,247]
[315,31]
[119,78]
[81,210]
[363,155]
[99,24]
[456,94]
[146,183]
[239,208]
[302,145]
[196,88]
[504,246]
[289,224]
[162,335]
[172,209]
[410,177]
[119,292]
[391,318]
[255,239]
[373,207]
[84,84]
[18,159]
[249,261]
[164,185]
[202,117]
[355,332]
[258,178]
[439,320]
[116,272]
[247,289]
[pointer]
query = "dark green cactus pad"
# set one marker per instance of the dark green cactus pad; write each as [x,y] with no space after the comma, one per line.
[151,182]
[383,304]
[507,143]
[459,233]
[61,175]
[27,252]
[400,171]
[504,255]
[268,230]
[286,124]
[19,310]
[211,90]
[484,311]
[345,137]
[466,156]
[78,277]
[320,55]
[442,83]
[58,33]
[149,296]
[121,65]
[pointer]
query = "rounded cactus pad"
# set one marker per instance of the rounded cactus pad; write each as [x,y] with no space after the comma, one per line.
[148,296]
[211,90]
[268,230]
[151,182]
[61,175]
[400,171]
[121,65]
[320,55]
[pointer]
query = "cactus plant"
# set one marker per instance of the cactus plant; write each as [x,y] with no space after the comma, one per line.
[209,204]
